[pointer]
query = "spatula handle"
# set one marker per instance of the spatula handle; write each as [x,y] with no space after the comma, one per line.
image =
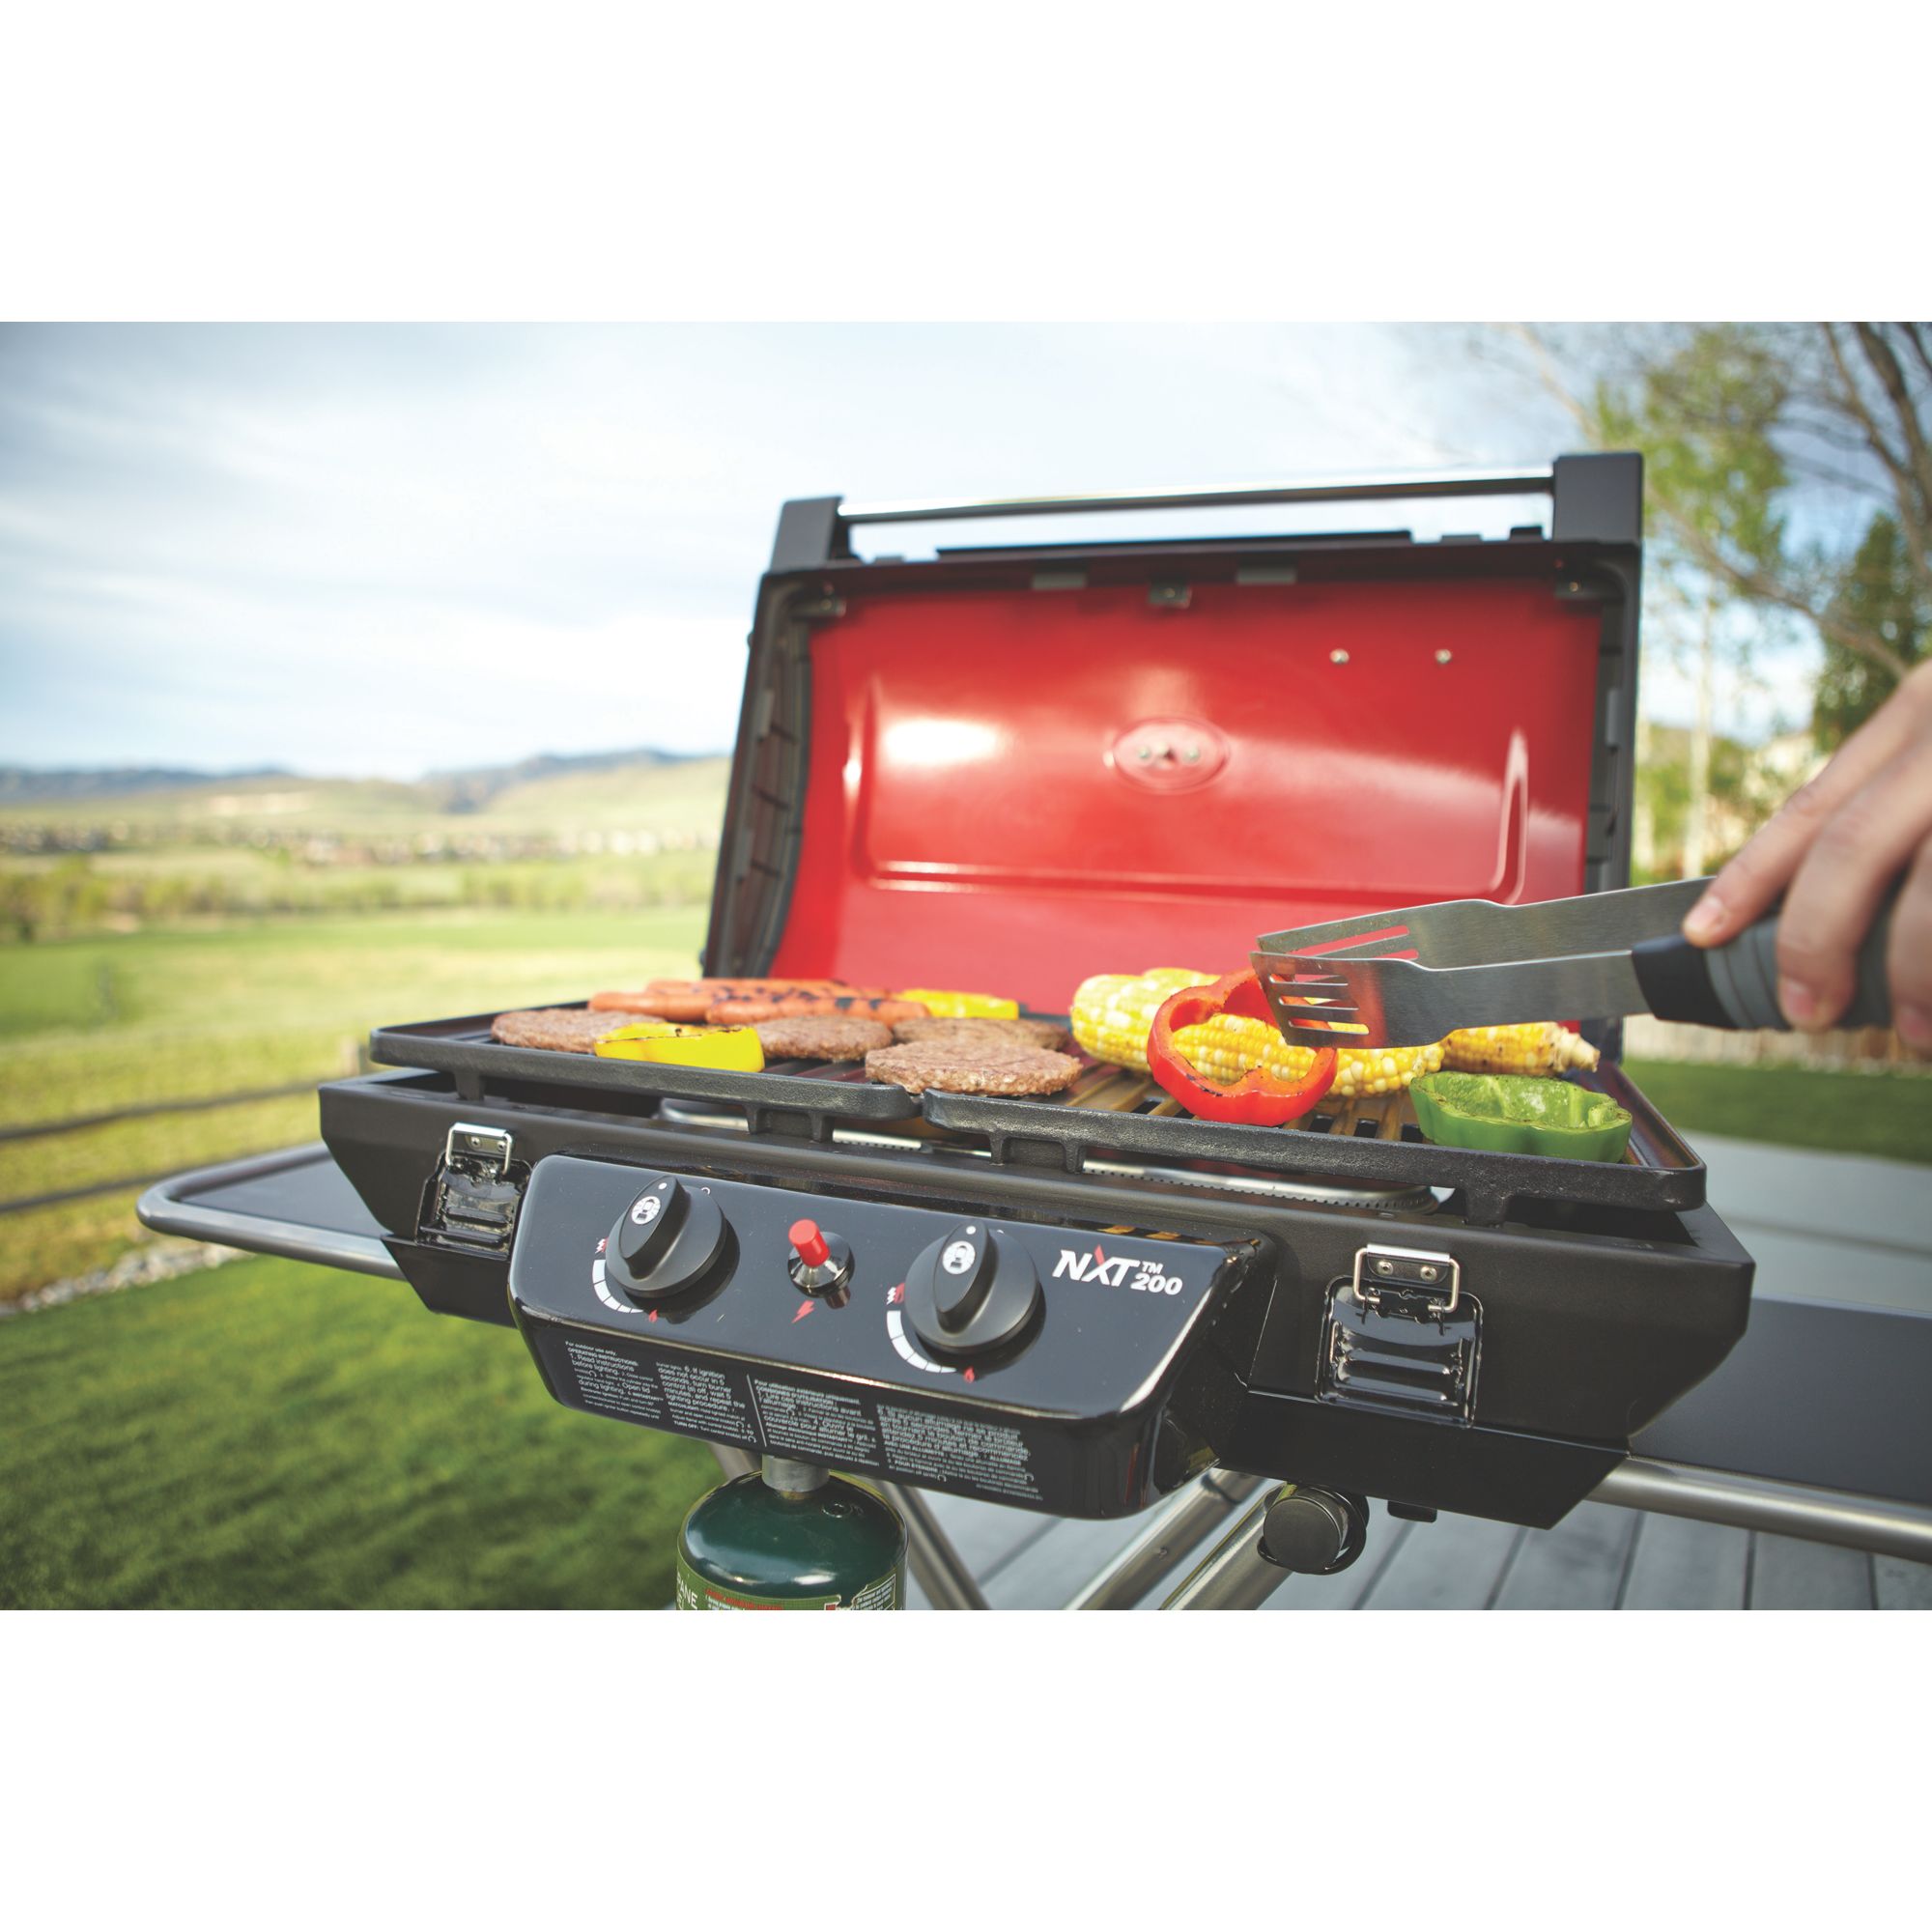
[1735,985]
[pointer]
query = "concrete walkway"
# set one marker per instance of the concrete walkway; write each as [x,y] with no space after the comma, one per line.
[1821,1227]
[1828,1227]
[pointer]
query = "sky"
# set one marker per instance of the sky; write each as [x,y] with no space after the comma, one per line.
[377,551]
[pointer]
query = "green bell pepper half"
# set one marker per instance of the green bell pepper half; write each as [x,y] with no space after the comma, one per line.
[1519,1113]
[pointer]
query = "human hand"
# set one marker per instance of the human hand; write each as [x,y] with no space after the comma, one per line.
[1833,850]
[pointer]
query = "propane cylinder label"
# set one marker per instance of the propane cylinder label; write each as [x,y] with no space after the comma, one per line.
[700,1593]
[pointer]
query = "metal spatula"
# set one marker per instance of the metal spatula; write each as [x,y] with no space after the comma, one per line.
[1410,977]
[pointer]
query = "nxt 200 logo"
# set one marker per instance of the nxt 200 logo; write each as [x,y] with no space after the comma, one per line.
[1116,1271]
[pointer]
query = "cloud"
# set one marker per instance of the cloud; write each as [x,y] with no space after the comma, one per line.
[384,550]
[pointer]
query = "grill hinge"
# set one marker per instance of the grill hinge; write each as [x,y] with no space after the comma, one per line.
[472,1196]
[1400,1334]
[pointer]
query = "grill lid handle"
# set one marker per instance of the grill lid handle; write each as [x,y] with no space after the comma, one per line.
[1596,497]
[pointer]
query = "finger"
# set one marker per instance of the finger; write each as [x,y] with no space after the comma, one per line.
[1837,890]
[1747,888]
[1907,960]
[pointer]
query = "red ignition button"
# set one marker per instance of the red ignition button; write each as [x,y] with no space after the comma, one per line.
[809,1245]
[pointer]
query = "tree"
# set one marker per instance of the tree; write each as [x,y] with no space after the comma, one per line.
[1881,597]
[1788,471]
[1704,411]
[1828,425]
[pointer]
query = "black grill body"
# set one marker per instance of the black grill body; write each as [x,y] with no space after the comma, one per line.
[1591,1320]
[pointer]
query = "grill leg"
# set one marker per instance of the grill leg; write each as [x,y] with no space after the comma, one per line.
[1234,1575]
[940,1570]
[1297,1528]
[1178,1525]
[1877,1524]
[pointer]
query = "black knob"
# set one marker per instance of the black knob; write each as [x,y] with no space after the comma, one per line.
[651,1224]
[670,1238]
[1313,1531]
[972,1292]
[963,1278]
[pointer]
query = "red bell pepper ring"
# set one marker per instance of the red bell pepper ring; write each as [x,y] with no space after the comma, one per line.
[1259,1099]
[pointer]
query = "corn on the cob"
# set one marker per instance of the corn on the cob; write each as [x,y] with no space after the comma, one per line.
[1540,1047]
[1112,1011]
[1225,1048]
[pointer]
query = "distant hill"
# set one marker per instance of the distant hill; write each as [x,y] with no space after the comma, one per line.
[550,797]
[21,785]
[471,790]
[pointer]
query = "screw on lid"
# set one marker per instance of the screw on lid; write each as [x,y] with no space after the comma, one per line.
[811,1244]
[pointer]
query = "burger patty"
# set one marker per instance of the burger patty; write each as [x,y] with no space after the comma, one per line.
[983,1032]
[562,1029]
[822,1037]
[967,1067]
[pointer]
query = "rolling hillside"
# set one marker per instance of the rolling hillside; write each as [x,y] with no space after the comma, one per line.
[606,832]
[554,798]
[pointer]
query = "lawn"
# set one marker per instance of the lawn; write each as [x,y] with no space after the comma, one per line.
[207,1008]
[1876,1112]
[90,1025]
[270,1435]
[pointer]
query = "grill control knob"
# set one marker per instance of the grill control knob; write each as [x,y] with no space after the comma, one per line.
[667,1241]
[972,1292]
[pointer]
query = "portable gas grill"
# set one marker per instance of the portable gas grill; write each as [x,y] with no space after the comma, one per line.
[1007,768]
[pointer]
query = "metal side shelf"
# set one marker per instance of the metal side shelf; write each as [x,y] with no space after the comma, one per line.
[298,1203]
[1827,1395]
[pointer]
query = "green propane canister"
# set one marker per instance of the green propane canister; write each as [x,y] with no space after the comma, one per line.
[793,1537]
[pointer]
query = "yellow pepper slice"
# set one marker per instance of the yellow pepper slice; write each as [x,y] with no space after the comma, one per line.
[728,1049]
[963,1006]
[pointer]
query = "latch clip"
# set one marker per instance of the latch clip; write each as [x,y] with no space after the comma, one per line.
[1372,1355]
[473,1198]
[1411,1280]
[481,1152]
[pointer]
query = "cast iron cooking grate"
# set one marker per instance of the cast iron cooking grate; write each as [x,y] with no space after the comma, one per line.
[1109,1111]
[788,1094]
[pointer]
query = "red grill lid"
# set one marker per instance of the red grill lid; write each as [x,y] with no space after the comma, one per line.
[1003,771]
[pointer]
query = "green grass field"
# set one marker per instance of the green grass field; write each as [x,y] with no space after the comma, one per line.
[90,999]
[269,1435]
[90,1025]
[1885,1114]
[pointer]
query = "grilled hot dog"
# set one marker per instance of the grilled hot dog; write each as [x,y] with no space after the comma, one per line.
[689,999]
[801,1006]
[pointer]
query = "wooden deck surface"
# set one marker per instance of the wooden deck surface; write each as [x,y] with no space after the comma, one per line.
[1598,1558]
[1820,1226]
